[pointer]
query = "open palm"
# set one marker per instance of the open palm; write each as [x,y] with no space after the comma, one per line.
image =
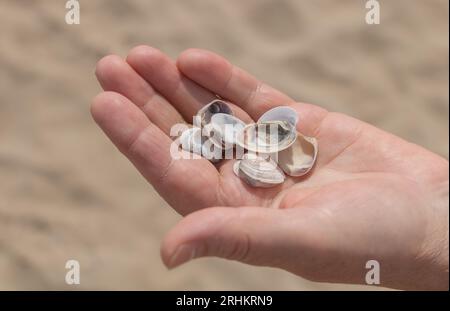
[371,195]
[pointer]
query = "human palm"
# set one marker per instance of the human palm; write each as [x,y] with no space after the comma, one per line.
[370,195]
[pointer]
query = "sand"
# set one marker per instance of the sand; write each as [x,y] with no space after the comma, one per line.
[65,191]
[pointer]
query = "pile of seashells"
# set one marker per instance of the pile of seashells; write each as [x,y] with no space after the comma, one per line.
[271,148]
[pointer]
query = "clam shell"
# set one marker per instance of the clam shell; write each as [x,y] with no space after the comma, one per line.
[259,172]
[236,167]
[281,113]
[192,141]
[224,129]
[299,159]
[267,137]
[212,152]
[205,114]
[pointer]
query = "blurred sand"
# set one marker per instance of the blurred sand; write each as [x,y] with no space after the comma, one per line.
[65,192]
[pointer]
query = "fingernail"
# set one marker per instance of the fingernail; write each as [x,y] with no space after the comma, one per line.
[182,254]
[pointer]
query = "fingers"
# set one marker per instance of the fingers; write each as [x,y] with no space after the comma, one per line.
[183,183]
[248,234]
[162,73]
[221,77]
[114,74]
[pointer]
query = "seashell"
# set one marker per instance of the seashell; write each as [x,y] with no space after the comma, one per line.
[211,152]
[260,172]
[224,129]
[192,141]
[267,137]
[281,113]
[236,167]
[216,106]
[299,159]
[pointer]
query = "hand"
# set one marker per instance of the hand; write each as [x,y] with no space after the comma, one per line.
[370,196]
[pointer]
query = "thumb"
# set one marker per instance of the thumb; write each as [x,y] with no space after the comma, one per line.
[252,235]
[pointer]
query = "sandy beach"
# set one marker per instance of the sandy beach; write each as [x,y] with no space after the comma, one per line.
[67,193]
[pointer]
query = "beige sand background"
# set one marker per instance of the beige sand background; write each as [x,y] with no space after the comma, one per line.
[65,192]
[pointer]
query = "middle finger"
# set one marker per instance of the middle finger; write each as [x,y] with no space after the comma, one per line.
[162,74]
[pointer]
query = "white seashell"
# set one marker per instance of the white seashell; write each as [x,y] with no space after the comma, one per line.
[260,172]
[236,167]
[224,129]
[192,141]
[299,159]
[281,113]
[205,114]
[211,152]
[267,137]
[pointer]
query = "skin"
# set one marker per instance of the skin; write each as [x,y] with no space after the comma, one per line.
[370,196]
